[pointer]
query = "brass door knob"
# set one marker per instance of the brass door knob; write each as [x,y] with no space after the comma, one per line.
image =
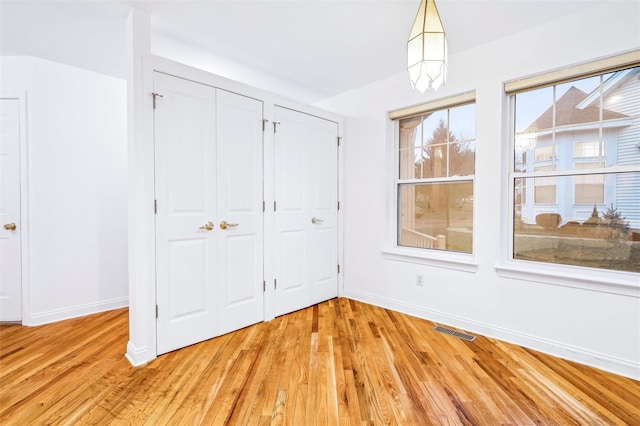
[225,225]
[209,226]
[10,226]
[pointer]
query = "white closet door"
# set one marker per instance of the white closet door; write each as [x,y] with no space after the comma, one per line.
[10,229]
[306,217]
[240,216]
[186,261]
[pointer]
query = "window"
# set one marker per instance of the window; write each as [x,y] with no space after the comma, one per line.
[589,189]
[545,187]
[434,184]
[544,153]
[589,149]
[576,150]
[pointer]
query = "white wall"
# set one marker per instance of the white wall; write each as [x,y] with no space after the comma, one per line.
[593,327]
[197,57]
[77,183]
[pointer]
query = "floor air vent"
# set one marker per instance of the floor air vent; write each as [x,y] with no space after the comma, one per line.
[459,335]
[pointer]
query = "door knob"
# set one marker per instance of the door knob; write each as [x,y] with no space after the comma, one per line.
[225,225]
[316,221]
[209,226]
[10,226]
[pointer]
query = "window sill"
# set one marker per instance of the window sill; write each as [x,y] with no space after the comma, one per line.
[622,283]
[449,260]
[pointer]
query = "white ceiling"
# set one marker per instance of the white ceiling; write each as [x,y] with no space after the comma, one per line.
[324,46]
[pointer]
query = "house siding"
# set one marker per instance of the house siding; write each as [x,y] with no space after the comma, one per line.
[628,148]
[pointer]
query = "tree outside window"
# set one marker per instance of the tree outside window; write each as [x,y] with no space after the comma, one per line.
[435,185]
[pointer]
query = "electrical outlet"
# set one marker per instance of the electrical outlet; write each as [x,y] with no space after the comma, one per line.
[419,280]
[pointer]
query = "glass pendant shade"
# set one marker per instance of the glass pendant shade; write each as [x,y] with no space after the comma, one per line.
[427,49]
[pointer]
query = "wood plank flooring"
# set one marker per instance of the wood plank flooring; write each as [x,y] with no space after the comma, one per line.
[338,363]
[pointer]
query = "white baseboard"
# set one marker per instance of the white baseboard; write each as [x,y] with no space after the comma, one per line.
[74,311]
[138,356]
[593,359]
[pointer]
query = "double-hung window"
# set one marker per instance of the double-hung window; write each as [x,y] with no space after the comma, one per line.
[435,175]
[575,177]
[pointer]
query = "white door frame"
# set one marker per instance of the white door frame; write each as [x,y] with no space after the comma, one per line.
[21,97]
[142,263]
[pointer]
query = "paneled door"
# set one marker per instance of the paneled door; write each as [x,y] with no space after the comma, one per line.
[209,220]
[185,179]
[10,254]
[239,211]
[306,216]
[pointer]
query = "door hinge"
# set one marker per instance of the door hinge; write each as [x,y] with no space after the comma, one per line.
[156,95]
[264,124]
[338,205]
[156,311]
[264,206]
[274,206]
[275,284]
[275,124]
[339,140]
[155,206]
[264,286]
[338,268]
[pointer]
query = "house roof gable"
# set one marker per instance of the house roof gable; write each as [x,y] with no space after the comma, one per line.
[567,112]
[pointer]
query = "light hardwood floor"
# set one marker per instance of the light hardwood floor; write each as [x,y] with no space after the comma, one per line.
[340,362]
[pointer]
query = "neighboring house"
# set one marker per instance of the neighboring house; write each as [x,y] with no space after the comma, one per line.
[581,138]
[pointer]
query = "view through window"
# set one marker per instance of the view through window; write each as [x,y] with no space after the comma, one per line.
[435,185]
[576,175]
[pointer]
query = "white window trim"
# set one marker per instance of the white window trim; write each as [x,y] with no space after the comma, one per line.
[591,279]
[614,282]
[391,250]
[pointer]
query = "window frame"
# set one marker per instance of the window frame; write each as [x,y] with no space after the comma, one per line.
[586,278]
[392,250]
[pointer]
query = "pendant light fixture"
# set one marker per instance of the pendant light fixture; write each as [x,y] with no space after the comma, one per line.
[427,49]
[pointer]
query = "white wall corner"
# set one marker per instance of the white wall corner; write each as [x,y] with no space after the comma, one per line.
[142,323]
